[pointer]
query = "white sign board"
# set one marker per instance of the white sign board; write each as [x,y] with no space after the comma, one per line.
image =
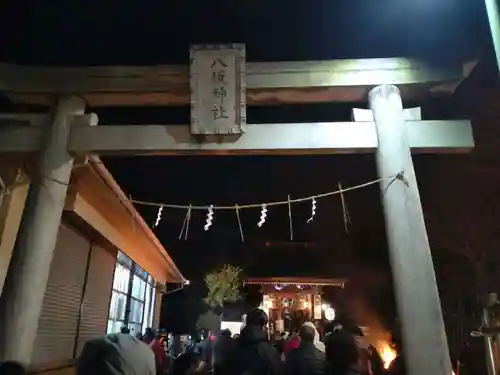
[218,89]
[234,327]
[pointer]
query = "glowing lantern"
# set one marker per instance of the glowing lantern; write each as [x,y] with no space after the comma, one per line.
[329,314]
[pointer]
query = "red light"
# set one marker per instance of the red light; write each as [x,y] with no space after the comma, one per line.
[211,338]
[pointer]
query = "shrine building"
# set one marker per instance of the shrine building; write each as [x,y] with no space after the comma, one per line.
[108,269]
[290,301]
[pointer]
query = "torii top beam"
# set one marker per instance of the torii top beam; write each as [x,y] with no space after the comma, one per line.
[267,83]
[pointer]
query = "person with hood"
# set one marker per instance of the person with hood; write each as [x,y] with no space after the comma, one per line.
[317,341]
[253,354]
[116,354]
[307,359]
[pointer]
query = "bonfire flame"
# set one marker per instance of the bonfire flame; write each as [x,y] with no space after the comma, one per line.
[387,353]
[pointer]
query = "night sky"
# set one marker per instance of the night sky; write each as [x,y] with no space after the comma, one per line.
[87,32]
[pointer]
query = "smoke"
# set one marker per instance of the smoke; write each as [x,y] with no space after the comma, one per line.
[377,335]
[370,320]
[367,285]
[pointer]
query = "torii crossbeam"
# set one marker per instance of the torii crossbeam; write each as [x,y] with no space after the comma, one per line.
[265,139]
[387,130]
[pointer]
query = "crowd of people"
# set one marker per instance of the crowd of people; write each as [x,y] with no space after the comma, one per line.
[343,351]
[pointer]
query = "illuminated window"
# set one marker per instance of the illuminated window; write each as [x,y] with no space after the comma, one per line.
[121,279]
[149,304]
[132,297]
[118,303]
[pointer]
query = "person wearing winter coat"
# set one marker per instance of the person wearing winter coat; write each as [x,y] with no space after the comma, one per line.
[307,359]
[222,350]
[116,354]
[159,352]
[317,341]
[252,353]
[348,351]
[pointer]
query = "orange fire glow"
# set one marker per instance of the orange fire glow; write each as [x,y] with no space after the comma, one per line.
[387,353]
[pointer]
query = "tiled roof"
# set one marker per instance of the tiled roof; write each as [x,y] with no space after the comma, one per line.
[296,281]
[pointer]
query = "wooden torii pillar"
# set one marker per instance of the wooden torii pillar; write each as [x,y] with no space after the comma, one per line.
[387,130]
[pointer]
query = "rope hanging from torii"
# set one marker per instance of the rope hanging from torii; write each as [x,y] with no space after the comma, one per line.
[210,216]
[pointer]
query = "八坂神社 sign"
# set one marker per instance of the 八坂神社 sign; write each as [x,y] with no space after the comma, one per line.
[217,89]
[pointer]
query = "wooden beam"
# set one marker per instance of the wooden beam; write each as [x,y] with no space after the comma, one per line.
[268,139]
[267,83]
[36,119]
[18,135]
[174,274]
[264,139]
[94,200]
[21,139]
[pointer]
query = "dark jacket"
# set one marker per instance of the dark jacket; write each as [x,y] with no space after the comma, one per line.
[254,355]
[280,345]
[306,360]
[183,363]
[222,350]
[341,351]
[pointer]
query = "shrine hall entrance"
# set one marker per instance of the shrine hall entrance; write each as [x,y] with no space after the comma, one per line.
[290,316]
[289,302]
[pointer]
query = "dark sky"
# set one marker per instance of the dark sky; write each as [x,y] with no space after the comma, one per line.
[82,32]
[153,32]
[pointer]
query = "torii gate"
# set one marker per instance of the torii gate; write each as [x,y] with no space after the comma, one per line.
[388,130]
